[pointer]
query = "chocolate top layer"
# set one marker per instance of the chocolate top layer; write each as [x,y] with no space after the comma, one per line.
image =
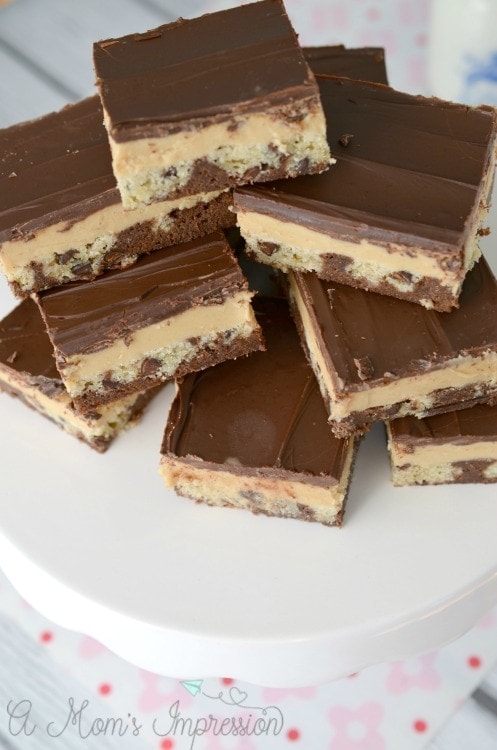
[83,317]
[473,425]
[262,411]
[24,344]
[362,64]
[369,338]
[245,58]
[410,169]
[55,168]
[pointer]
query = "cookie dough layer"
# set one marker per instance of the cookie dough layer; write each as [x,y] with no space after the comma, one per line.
[61,217]
[254,434]
[459,447]
[205,104]
[400,212]
[377,357]
[174,311]
[27,371]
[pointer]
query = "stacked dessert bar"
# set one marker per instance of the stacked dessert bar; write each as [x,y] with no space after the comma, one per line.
[116,233]
[366,201]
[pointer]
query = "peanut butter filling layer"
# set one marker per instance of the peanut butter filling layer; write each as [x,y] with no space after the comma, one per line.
[274,496]
[150,169]
[426,456]
[88,238]
[302,248]
[118,361]
[111,419]
[295,246]
[458,446]
[417,391]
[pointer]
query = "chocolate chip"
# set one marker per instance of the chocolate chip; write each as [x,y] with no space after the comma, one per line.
[403,276]
[149,366]
[93,415]
[62,258]
[252,495]
[109,384]
[364,368]
[305,513]
[81,269]
[268,248]
[303,166]
[345,139]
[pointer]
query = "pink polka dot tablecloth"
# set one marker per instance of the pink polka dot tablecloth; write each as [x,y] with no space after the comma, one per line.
[400,26]
[393,706]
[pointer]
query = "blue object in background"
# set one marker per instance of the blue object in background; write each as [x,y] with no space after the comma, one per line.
[480,79]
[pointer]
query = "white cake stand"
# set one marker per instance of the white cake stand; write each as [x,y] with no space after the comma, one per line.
[98,545]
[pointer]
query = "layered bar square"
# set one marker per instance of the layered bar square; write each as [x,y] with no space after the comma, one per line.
[253,434]
[27,370]
[61,216]
[453,448]
[379,358]
[208,103]
[399,213]
[176,310]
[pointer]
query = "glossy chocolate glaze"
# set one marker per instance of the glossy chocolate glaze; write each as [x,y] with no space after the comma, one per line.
[369,338]
[409,170]
[362,63]
[262,411]
[462,426]
[88,316]
[24,344]
[242,59]
[55,168]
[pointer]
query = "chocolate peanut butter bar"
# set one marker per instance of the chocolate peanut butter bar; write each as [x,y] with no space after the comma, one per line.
[61,216]
[360,63]
[377,357]
[176,310]
[457,447]
[253,434]
[204,104]
[27,370]
[399,213]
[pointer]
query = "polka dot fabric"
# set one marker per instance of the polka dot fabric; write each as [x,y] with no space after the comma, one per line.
[400,26]
[390,706]
[386,707]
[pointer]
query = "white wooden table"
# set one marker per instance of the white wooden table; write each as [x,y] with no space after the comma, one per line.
[45,62]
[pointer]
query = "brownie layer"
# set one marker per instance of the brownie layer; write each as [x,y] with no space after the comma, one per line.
[27,371]
[377,357]
[254,434]
[457,447]
[61,217]
[400,211]
[227,96]
[141,325]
